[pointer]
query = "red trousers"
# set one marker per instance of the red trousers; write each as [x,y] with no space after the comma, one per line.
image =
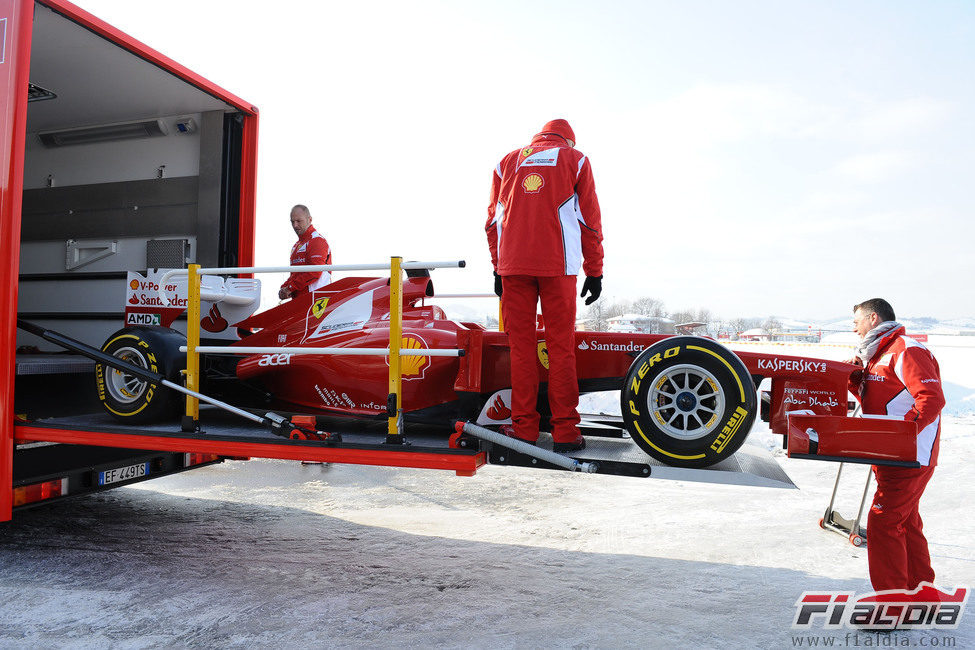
[519,302]
[896,549]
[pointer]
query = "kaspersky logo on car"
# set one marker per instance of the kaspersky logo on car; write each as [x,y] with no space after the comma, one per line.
[926,607]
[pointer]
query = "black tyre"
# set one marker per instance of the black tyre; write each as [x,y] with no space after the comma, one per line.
[134,400]
[688,401]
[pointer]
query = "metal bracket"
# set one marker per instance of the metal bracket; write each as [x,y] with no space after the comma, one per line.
[78,254]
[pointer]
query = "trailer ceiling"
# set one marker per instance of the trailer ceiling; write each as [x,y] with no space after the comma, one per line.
[99,82]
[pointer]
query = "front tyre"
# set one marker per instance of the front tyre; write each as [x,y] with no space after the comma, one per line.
[132,399]
[688,401]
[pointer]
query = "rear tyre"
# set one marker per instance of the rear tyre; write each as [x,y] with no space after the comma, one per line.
[132,399]
[688,401]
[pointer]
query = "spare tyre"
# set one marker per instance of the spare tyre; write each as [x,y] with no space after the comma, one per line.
[133,399]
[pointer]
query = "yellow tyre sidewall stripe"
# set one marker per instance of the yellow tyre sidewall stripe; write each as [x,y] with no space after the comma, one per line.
[105,404]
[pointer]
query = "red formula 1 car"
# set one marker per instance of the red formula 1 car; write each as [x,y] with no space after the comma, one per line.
[686,400]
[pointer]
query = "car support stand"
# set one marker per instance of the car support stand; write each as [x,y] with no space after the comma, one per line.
[840,525]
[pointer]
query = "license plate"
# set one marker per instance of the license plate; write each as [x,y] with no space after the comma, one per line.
[123,473]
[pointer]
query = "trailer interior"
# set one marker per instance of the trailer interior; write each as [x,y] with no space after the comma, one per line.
[129,162]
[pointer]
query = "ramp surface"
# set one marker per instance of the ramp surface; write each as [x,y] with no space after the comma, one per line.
[606,445]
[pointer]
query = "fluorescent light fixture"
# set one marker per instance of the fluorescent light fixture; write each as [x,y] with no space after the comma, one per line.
[107,133]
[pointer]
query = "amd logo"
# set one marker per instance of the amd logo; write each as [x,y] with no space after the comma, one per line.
[142,319]
[275,360]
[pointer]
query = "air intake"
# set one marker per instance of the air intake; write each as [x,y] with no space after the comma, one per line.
[88,135]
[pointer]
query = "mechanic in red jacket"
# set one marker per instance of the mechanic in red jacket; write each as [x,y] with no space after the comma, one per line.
[543,223]
[311,248]
[900,378]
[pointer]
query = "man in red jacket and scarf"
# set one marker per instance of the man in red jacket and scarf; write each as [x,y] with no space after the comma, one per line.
[310,249]
[900,378]
[543,223]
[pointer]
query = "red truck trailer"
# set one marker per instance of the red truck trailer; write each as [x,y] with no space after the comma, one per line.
[114,157]
[121,168]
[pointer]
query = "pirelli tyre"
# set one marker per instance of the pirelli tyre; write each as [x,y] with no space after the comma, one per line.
[134,400]
[688,401]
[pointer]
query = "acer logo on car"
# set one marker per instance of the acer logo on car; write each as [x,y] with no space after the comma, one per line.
[275,360]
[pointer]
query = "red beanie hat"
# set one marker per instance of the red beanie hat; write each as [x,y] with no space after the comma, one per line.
[559,127]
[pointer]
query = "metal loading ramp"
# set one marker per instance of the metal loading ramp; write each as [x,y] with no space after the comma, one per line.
[614,453]
[606,445]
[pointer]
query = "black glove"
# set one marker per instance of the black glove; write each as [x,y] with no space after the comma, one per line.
[593,286]
[497,284]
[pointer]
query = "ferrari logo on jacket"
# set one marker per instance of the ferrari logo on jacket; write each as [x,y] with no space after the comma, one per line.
[533,183]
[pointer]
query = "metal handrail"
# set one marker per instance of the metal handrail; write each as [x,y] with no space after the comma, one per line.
[394,407]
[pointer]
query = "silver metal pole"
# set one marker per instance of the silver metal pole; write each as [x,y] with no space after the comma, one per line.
[215,402]
[565,462]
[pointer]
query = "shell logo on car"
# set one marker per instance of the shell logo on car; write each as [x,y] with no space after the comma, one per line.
[412,367]
[533,183]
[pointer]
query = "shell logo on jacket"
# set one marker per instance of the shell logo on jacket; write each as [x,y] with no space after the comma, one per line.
[903,379]
[543,216]
[533,183]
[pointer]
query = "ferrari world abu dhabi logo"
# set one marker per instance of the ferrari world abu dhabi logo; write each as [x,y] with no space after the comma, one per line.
[925,607]
[533,183]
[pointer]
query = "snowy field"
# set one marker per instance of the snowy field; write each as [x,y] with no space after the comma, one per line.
[273,553]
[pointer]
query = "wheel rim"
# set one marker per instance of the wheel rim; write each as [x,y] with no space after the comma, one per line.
[686,401]
[125,388]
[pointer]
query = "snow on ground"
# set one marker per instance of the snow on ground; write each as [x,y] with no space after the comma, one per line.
[274,553]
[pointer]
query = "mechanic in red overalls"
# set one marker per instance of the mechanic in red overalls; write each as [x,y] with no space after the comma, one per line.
[543,223]
[900,378]
[311,248]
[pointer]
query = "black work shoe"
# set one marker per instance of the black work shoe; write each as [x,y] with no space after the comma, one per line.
[575,445]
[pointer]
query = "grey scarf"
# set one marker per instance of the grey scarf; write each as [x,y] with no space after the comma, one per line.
[868,346]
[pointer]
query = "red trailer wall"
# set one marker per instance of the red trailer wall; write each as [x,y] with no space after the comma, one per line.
[16,17]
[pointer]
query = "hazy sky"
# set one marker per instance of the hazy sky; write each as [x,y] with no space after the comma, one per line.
[753,158]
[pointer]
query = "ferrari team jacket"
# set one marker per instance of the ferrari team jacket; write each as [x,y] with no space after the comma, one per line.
[311,248]
[903,379]
[543,217]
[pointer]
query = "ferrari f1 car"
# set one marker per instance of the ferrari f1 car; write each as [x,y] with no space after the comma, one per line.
[686,401]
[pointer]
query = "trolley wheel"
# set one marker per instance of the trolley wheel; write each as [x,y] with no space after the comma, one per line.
[822,523]
[688,401]
[857,540]
[129,398]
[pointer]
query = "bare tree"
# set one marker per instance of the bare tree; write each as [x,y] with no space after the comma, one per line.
[683,316]
[771,325]
[596,314]
[647,306]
